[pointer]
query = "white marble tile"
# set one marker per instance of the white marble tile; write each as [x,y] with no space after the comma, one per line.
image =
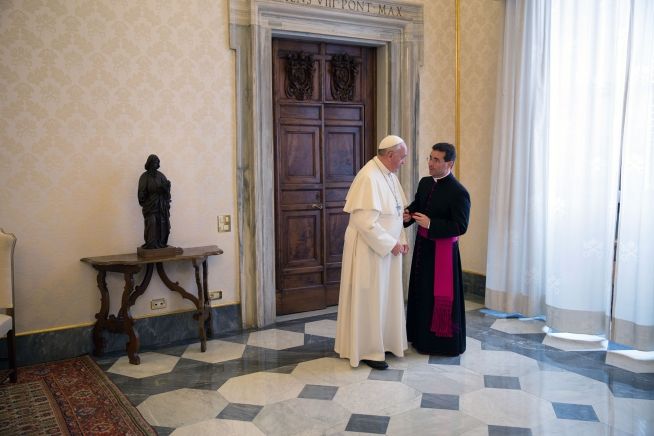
[193,412]
[342,432]
[517,326]
[477,431]
[215,427]
[276,339]
[575,342]
[565,387]
[300,416]
[330,371]
[629,415]
[261,388]
[217,351]
[181,407]
[506,407]
[472,345]
[325,327]
[471,305]
[490,362]
[432,379]
[411,357]
[375,397]
[565,427]
[631,360]
[151,364]
[339,430]
[432,421]
[403,404]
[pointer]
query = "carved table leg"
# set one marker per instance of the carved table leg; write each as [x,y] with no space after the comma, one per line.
[125,316]
[201,307]
[199,313]
[207,305]
[101,317]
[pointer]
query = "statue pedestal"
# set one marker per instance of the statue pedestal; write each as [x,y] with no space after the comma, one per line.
[158,252]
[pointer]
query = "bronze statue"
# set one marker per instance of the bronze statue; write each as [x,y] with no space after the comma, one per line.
[154,198]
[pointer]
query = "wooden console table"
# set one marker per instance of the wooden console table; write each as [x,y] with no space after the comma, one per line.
[130,264]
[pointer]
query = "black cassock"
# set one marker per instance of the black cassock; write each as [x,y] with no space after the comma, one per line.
[447,203]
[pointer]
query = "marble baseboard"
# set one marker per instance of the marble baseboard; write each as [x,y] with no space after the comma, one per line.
[474,284]
[153,332]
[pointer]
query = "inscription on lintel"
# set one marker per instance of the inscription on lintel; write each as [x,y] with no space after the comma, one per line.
[355,6]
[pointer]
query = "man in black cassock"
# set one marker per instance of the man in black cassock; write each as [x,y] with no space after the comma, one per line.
[435,310]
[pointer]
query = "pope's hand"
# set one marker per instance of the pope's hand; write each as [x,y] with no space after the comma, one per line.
[397,249]
[406,216]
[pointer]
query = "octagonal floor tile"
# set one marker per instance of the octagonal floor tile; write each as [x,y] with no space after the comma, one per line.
[472,345]
[181,407]
[502,407]
[325,327]
[573,427]
[431,379]
[410,359]
[151,364]
[487,362]
[448,422]
[261,388]
[301,416]
[217,351]
[374,397]
[219,427]
[330,371]
[276,339]
[565,387]
[629,415]
[517,326]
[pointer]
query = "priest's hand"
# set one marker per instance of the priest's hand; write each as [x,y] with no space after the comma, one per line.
[397,249]
[405,249]
[422,219]
[406,216]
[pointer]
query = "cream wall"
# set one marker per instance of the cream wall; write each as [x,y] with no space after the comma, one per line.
[482,24]
[91,88]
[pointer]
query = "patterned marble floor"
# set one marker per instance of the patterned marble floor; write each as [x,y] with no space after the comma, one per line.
[286,380]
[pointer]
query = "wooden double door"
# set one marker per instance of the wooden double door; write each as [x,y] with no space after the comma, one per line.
[324,118]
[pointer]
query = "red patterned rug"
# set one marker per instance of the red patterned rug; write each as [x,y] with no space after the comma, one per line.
[69,397]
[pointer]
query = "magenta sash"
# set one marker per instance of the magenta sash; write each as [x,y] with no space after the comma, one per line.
[441,321]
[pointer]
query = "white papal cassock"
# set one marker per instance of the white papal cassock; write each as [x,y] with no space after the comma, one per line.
[371,301]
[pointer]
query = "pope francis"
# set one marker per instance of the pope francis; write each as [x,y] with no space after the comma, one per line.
[371,302]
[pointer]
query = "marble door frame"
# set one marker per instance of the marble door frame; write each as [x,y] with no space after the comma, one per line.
[395,28]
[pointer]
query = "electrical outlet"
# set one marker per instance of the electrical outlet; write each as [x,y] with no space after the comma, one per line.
[215,295]
[159,303]
[224,223]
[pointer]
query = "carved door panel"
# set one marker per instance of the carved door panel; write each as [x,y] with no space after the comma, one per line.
[324,126]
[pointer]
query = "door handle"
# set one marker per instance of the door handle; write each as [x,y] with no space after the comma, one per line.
[317,206]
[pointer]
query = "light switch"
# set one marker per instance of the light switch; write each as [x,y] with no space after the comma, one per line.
[224,223]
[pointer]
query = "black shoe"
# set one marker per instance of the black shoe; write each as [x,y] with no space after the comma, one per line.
[376,364]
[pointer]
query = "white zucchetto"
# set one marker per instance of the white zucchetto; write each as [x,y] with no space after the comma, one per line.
[389,141]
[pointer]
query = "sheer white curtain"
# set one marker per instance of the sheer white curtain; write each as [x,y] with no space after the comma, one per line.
[516,236]
[588,67]
[563,123]
[634,290]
